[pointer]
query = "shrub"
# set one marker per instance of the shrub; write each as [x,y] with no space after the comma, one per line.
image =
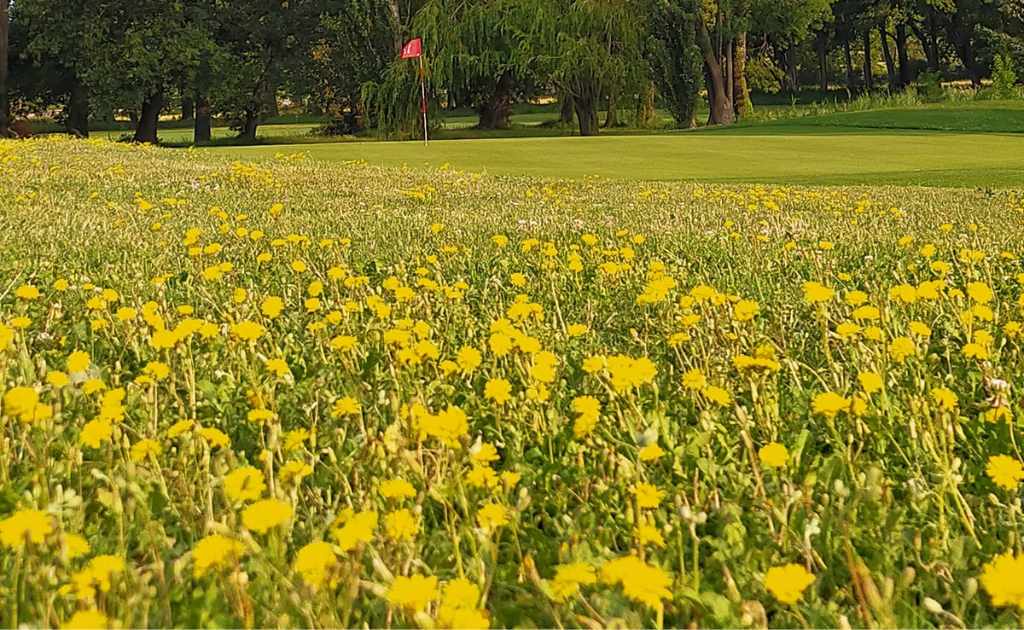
[1004,78]
[930,87]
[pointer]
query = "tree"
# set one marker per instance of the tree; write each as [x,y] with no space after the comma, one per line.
[965,22]
[395,13]
[352,44]
[721,32]
[590,49]
[846,31]
[203,82]
[676,63]
[479,48]
[5,105]
[55,37]
[924,24]
[892,19]
[720,106]
[788,23]
[121,54]
[255,38]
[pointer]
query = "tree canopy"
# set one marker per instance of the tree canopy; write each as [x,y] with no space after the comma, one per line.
[93,60]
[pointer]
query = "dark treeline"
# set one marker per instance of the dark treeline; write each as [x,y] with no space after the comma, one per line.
[87,61]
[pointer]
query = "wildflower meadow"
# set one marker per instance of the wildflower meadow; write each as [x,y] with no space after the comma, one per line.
[279,393]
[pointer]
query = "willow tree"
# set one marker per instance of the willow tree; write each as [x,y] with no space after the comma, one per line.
[393,100]
[479,50]
[676,65]
[592,52]
[475,49]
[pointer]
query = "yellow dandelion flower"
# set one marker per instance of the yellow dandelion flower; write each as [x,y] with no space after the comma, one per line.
[314,563]
[1005,471]
[266,514]
[1001,579]
[647,495]
[244,484]
[412,593]
[213,552]
[788,582]
[773,455]
[25,526]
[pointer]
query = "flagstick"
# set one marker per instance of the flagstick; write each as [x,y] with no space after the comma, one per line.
[423,99]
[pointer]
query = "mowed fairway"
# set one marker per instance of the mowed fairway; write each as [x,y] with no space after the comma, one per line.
[807,154]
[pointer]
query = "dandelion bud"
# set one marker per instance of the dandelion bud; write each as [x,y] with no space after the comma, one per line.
[524,499]
[970,587]
[932,606]
[907,577]
[381,569]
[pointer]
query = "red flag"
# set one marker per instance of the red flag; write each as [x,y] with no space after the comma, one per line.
[413,49]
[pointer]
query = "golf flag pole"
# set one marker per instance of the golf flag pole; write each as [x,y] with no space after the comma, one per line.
[414,50]
[423,99]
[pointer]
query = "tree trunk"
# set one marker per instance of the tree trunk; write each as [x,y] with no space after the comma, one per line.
[869,69]
[77,122]
[821,45]
[567,109]
[851,76]
[269,96]
[902,58]
[188,107]
[496,113]
[721,109]
[741,92]
[145,130]
[791,78]
[611,117]
[203,128]
[932,49]
[963,44]
[645,111]
[396,25]
[586,111]
[928,39]
[709,87]
[249,124]
[5,104]
[890,66]
[730,76]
